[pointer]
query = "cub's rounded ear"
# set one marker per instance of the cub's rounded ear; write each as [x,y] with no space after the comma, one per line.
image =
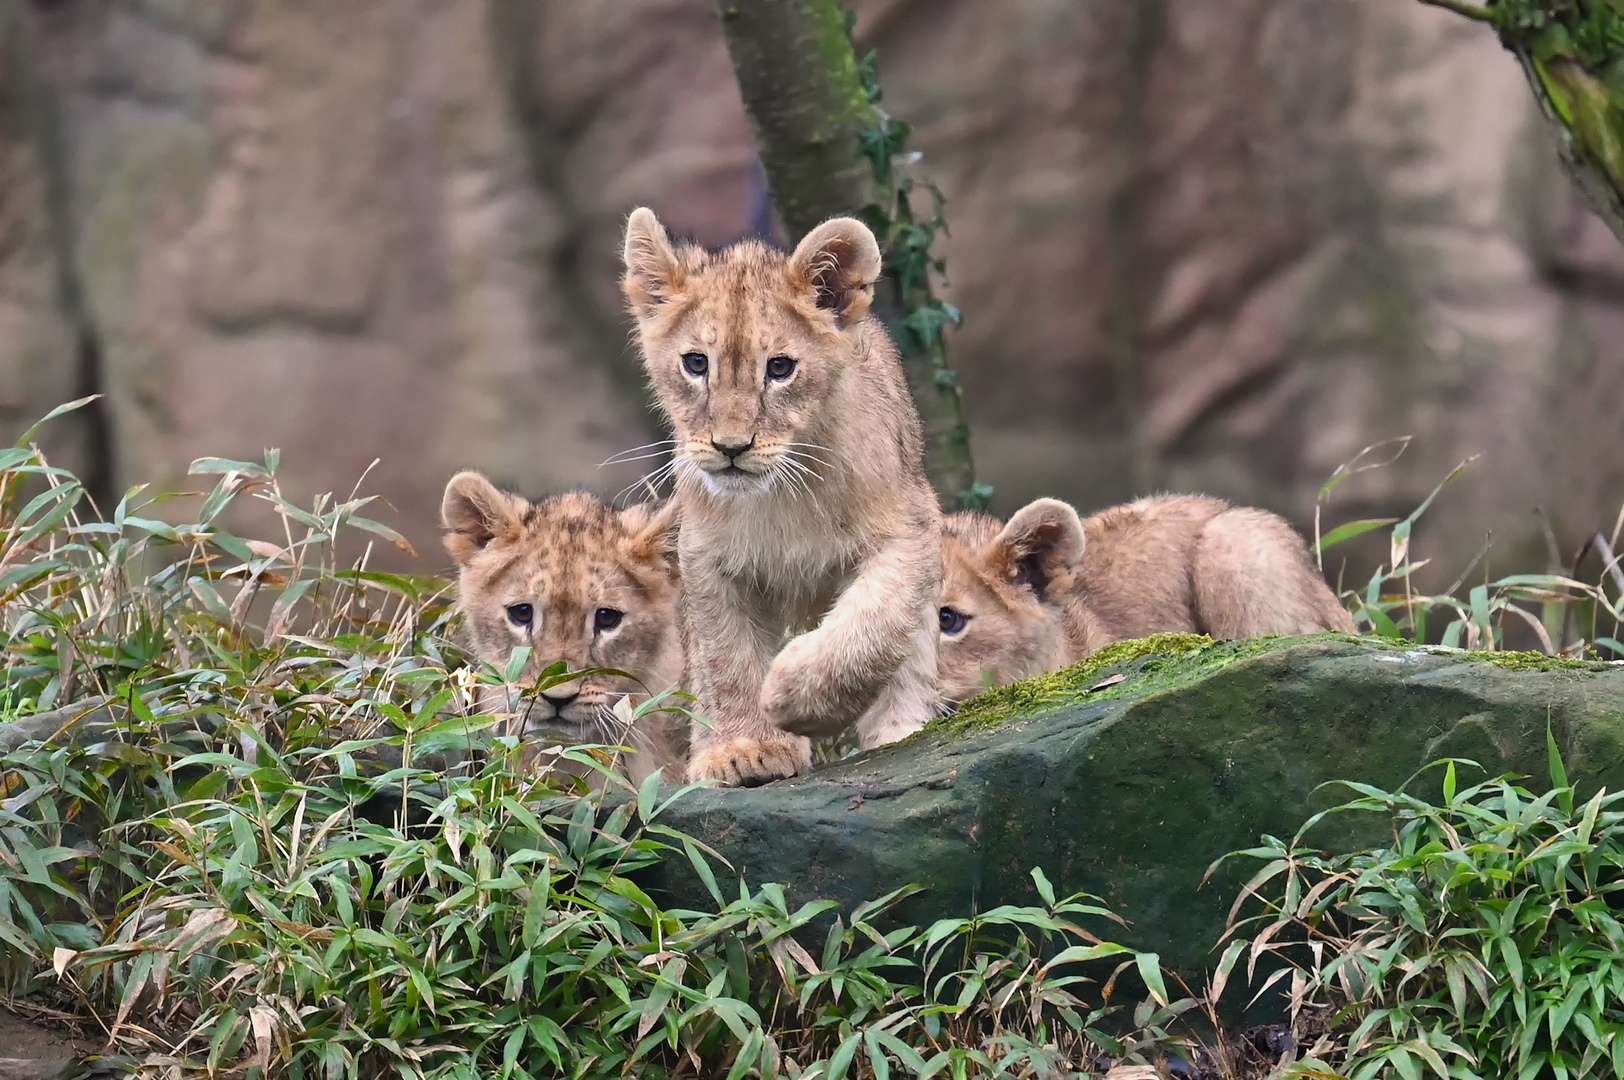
[654,530]
[653,270]
[838,262]
[474,512]
[1043,541]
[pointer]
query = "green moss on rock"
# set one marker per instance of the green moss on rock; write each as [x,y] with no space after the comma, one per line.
[1163,661]
[1535,661]
[1149,664]
[1048,691]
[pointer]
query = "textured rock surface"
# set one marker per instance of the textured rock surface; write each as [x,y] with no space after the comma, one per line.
[1216,245]
[376,229]
[1228,244]
[1131,791]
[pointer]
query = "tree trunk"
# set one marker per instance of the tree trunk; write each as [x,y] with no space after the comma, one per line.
[811,112]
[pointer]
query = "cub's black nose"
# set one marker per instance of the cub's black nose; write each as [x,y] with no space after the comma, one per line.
[732,447]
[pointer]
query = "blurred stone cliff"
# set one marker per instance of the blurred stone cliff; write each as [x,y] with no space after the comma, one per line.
[1211,245]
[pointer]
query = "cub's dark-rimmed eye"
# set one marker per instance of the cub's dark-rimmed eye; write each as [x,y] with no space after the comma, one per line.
[780,368]
[952,621]
[520,614]
[606,618]
[695,364]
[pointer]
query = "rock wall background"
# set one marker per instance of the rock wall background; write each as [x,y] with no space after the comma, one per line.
[1200,244]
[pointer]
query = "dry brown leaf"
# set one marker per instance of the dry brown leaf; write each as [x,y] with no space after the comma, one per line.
[263,1017]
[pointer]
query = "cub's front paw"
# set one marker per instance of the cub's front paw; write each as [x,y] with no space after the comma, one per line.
[749,762]
[796,695]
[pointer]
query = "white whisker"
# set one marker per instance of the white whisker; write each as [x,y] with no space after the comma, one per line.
[800,451]
[795,473]
[616,458]
[800,467]
[805,446]
[687,470]
[789,478]
[652,481]
[639,457]
[803,456]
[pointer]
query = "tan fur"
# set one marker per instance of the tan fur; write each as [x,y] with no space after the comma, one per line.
[824,515]
[567,557]
[1048,589]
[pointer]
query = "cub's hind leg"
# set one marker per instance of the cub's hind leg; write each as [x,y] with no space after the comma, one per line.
[1252,577]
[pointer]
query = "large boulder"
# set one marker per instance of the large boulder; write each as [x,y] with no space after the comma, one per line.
[1127,775]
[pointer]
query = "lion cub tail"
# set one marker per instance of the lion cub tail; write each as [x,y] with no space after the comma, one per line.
[1253,577]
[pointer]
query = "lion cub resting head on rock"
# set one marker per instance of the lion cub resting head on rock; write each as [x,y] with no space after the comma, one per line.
[1048,589]
[801,490]
[577,581]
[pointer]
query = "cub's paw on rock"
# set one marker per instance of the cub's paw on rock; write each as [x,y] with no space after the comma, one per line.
[748,762]
[796,693]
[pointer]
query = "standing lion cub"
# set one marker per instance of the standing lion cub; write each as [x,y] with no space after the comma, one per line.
[1048,589]
[801,490]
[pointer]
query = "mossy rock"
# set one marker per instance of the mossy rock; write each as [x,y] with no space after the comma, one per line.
[1129,774]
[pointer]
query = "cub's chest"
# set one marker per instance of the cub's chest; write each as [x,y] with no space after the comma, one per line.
[779,543]
[795,583]
[790,585]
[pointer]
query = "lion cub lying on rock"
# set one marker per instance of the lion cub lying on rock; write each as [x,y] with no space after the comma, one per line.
[801,489]
[1048,589]
[575,580]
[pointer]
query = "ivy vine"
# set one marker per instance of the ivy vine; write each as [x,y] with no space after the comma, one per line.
[1589,31]
[908,257]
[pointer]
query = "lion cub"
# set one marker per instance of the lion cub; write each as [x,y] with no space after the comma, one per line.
[1048,589]
[802,494]
[577,581]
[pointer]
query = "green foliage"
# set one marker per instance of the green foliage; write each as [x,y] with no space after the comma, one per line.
[907,240]
[273,922]
[157,615]
[1391,605]
[1590,31]
[301,850]
[1484,941]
